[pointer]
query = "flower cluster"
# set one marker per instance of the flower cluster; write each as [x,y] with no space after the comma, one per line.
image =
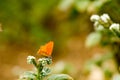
[101,22]
[44,61]
[31,59]
[104,22]
[106,31]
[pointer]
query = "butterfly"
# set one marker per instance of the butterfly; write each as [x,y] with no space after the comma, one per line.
[46,50]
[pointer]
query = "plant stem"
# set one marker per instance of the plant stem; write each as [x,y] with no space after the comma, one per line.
[39,74]
[34,63]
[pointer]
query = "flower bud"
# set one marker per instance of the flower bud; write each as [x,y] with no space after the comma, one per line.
[49,61]
[42,61]
[115,27]
[105,18]
[94,18]
[30,59]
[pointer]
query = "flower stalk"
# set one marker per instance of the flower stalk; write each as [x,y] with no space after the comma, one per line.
[42,71]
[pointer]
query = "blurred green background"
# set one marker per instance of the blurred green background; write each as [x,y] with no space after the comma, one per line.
[27,24]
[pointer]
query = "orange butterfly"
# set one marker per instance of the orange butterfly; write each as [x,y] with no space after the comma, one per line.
[46,50]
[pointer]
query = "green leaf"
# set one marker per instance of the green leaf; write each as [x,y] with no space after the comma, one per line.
[60,77]
[29,75]
[46,71]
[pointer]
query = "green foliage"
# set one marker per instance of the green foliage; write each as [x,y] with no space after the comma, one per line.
[29,76]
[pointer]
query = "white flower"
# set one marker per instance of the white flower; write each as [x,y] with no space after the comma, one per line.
[115,26]
[30,59]
[105,18]
[42,61]
[94,18]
